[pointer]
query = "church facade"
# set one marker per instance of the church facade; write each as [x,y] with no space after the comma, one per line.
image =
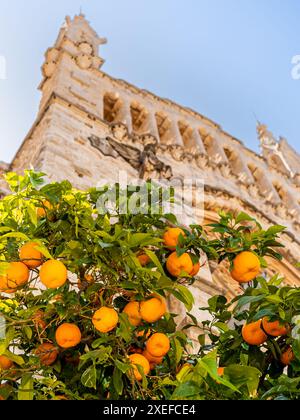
[91,125]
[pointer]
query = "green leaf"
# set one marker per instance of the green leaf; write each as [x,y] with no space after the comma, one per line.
[274,299]
[118,381]
[89,377]
[178,350]
[32,213]
[243,217]
[186,390]
[28,332]
[245,300]
[244,375]
[209,364]
[43,249]
[183,295]
[17,235]
[26,391]
[155,260]
[274,230]
[15,358]
[123,367]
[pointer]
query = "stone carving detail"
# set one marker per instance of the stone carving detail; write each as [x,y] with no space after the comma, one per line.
[145,160]
[271,149]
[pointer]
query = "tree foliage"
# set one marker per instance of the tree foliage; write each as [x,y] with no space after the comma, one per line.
[105,245]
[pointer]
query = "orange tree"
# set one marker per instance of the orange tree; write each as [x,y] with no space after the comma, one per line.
[84,299]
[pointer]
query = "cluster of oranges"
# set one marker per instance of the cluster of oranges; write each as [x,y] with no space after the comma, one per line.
[257,333]
[183,264]
[53,273]
[150,311]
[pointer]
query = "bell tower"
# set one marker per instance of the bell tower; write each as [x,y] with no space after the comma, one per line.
[71,65]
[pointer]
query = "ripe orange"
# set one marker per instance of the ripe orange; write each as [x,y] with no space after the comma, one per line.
[68,336]
[177,266]
[47,353]
[138,359]
[5,363]
[105,319]
[158,345]
[41,211]
[16,275]
[275,329]
[253,333]
[152,310]
[287,357]
[195,270]
[30,256]
[53,274]
[171,238]
[132,309]
[152,359]
[246,267]
[144,259]
[221,371]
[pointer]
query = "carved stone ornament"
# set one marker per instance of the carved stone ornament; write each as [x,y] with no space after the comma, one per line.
[145,161]
[48,69]
[52,54]
[85,48]
[84,61]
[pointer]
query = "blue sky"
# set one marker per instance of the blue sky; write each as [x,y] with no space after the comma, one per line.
[227,59]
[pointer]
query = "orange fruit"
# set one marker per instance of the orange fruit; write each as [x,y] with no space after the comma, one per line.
[287,357]
[152,359]
[195,270]
[105,319]
[275,329]
[5,363]
[139,359]
[253,333]
[132,309]
[177,266]
[47,353]
[246,267]
[53,274]
[221,371]
[171,237]
[16,275]
[30,256]
[68,336]
[158,345]
[144,259]
[152,310]
[41,211]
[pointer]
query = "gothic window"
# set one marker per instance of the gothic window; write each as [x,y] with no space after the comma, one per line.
[164,126]
[139,116]
[112,106]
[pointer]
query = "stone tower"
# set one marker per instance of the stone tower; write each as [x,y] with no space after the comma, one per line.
[82,107]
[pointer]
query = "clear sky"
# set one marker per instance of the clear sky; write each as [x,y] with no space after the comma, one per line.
[227,59]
